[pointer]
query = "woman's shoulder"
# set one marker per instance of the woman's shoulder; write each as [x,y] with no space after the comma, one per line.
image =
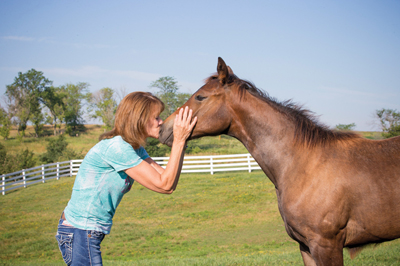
[103,145]
[111,141]
[115,145]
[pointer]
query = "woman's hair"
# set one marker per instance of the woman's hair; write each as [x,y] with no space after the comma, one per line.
[132,116]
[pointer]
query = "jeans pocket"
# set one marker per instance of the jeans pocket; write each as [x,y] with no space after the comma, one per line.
[65,245]
[96,235]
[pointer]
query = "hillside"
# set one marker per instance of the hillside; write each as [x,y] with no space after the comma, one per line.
[88,138]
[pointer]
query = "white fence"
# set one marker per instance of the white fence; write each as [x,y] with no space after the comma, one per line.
[34,175]
[191,164]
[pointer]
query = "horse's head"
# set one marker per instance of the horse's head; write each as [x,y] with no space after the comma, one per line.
[210,106]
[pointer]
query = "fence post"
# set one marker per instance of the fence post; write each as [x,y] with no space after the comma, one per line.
[248,160]
[4,184]
[70,167]
[23,177]
[211,165]
[43,180]
[58,170]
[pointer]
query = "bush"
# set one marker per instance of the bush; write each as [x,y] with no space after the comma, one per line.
[57,151]
[155,149]
[74,129]
[26,159]
[11,163]
[193,148]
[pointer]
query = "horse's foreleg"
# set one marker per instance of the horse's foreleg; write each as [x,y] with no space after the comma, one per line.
[327,254]
[306,255]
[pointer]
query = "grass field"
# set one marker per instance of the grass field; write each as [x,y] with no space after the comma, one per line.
[223,219]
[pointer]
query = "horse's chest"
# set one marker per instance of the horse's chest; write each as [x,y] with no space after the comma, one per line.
[293,219]
[291,227]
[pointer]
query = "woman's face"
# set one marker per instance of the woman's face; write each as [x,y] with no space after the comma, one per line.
[153,125]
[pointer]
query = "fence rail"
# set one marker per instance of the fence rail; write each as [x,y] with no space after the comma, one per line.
[26,177]
[191,164]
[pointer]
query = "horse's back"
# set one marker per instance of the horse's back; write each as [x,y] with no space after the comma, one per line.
[373,191]
[376,156]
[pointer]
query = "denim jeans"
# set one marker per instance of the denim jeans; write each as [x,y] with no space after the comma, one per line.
[79,247]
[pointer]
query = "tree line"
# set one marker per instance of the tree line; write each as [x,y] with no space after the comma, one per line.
[33,99]
[388,120]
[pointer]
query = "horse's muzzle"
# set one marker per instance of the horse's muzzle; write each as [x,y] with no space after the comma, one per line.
[166,135]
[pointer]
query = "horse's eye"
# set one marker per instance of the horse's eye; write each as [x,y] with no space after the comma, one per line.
[200,98]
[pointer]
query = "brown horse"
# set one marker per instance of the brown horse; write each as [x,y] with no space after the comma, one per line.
[334,189]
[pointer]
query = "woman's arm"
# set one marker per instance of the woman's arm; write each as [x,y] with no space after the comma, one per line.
[149,174]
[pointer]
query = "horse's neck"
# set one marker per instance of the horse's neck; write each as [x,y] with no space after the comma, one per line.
[268,136]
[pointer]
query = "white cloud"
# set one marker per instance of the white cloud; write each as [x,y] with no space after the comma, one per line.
[189,87]
[98,72]
[52,41]
[351,92]
[19,38]
[99,77]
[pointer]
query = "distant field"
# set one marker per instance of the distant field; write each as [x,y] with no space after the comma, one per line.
[82,143]
[86,140]
[223,219]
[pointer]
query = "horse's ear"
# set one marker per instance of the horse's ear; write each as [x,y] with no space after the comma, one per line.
[223,71]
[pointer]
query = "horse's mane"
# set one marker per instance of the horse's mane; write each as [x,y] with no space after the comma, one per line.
[307,128]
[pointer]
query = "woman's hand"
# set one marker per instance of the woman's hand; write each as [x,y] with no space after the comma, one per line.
[153,176]
[183,125]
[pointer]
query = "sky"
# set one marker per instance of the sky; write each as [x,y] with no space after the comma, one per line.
[338,59]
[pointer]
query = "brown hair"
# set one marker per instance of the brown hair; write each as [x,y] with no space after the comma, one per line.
[131,118]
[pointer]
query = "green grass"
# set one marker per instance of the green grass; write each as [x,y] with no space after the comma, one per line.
[223,219]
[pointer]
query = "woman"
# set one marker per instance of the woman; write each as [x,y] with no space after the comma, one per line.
[109,170]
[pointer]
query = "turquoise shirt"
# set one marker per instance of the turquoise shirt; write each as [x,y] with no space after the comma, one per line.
[101,183]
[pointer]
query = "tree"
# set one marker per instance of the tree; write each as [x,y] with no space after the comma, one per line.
[24,96]
[392,132]
[389,120]
[182,98]
[53,100]
[73,96]
[5,122]
[37,119]
[168,93]
[102,104]
[120,93]
[345,127]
